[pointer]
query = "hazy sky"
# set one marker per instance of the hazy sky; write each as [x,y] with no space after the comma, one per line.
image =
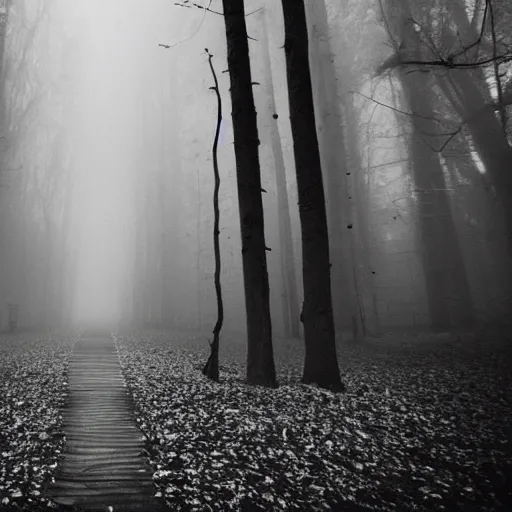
[108,96]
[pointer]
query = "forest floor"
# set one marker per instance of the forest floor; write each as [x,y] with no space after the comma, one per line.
[425,424]
[33,386]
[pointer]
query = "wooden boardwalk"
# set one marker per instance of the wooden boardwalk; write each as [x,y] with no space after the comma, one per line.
[102,464]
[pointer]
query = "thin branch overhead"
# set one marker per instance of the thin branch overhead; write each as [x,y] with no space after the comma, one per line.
[190,5]
[205,9]
[459,59]
[450,135]
[412,114]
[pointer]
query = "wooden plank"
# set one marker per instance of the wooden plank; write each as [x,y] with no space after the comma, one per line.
[102,464]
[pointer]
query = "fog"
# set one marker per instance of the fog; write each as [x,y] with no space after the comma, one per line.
[108,122]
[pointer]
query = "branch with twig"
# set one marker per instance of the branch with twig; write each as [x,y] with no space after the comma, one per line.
[450,135]
[190,5]
[499,86]
[412,114]
[449,63]
[451,60]
[206,8]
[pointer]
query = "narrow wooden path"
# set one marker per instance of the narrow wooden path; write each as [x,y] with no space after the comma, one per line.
[102,464]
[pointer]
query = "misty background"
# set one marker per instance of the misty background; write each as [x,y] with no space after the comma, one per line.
[123,382]
[106,159]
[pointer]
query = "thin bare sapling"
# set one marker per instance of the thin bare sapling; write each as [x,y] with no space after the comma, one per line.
[211,368]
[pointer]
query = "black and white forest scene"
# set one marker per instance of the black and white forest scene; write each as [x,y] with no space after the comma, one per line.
[255,255]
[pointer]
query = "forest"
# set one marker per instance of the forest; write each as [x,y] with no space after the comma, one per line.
[259,251]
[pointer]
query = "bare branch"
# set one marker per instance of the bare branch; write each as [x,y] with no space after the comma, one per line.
[448,62]
[412,114]
[499,86]
[197,29]
[193,4]
[253,12]
[450,135]
[452,60]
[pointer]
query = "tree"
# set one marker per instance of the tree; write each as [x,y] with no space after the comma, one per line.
[331,135]
[35,145]
[290,303]
[211,368]
[321,364]
[444,271]
[260,357]
[458,53]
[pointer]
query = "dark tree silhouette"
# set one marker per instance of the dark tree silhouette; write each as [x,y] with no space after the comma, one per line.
[260,357]
[460,75]
[290,302]
[211,368]
[321,364]
[333,148]
[444,271]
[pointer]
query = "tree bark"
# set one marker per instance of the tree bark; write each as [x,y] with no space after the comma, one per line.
[360,204]
[491,145]
[260,357]
[333,156]
[476,212]
[321,364]
[211,368]
[291,300]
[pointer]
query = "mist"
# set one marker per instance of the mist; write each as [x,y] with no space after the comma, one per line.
[108,182]
[362,157]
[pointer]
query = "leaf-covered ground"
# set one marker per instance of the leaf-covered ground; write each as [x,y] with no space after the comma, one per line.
[32,388]
[425,425]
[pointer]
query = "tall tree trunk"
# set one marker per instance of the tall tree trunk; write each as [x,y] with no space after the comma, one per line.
[170,161]
[260,357]
[138,263]
[155,261]
[470,88]
[346,304]
[476,212]
[492,147]
[166,206]
[360,203]
[321,363]
[155,203]
[291,300]
[448,293]
[198,259]
[211,368]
